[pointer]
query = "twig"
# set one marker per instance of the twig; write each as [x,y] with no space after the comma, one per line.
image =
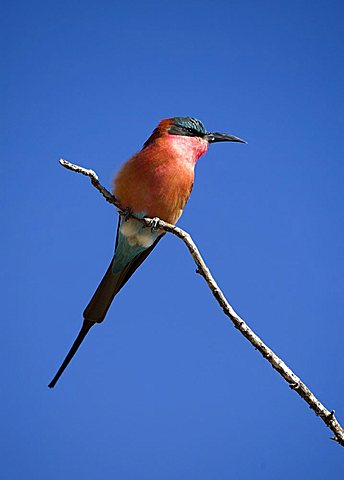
[94,180]
[277,363]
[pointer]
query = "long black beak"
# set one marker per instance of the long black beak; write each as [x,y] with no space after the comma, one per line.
[222,137]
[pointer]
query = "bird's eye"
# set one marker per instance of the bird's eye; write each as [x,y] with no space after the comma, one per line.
[192,131]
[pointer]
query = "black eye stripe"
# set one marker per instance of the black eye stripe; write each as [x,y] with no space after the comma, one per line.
[194,131]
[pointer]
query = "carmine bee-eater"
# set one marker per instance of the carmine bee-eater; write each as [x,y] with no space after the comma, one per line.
[155,182]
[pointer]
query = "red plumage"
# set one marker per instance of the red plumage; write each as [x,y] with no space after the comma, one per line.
[158,180]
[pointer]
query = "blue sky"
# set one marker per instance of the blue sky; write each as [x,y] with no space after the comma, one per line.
[166,388]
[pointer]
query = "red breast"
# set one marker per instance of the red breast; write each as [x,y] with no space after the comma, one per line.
[158,180]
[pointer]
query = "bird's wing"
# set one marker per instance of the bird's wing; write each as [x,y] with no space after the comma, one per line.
[113,281]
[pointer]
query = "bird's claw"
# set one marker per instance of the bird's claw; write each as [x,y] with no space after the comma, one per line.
[154,224]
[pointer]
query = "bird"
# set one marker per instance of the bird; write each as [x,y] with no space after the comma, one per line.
[156,183]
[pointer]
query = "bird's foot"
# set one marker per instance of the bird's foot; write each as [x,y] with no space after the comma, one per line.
[126,213]
[154,224]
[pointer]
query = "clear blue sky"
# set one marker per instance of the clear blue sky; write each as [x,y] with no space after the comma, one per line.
[166,388]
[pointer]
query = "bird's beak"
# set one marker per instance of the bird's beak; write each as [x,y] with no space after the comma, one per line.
[222,137]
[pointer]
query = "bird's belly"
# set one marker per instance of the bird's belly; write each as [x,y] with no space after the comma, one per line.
[136,234]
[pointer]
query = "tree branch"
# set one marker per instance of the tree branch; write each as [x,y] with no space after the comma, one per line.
[277,363]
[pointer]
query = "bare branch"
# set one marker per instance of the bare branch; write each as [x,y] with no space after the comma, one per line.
[277,363]
[94,180]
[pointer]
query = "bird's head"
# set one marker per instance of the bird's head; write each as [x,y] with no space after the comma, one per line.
[191,127]
[191,131]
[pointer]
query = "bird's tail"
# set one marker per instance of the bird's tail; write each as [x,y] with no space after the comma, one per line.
[100,303]
[94,313]
[86,326]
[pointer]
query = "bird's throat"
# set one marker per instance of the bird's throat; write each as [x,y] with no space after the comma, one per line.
[188,149]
